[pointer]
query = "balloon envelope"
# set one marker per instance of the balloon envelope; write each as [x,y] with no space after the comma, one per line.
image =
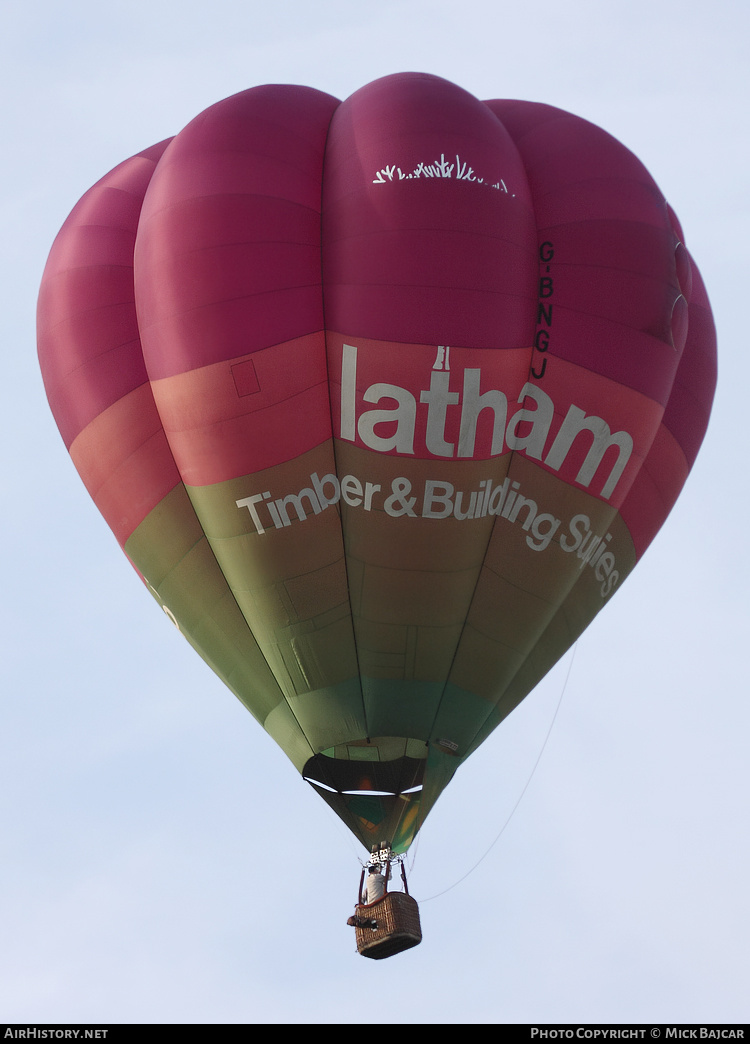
[383,399]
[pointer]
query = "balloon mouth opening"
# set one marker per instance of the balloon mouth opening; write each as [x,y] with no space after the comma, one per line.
[364,793]
[383,767]
[375,798]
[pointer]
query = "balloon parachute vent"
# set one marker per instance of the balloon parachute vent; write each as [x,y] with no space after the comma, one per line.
[388,926]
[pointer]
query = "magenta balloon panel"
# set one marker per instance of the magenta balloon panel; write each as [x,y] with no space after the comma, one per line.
[383,399]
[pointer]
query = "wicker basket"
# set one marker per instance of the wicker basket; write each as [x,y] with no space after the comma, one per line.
[397,928]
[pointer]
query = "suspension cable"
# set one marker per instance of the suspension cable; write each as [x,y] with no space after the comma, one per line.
[520,796]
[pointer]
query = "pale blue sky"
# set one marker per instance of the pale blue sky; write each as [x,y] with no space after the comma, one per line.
[149,872]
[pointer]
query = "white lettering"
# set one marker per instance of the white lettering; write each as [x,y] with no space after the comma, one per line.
[440,499]
[431,497]
[473,405]
[404,417]
[575,422]
[351,490]
[348,392]
[295,500]
[540,419]
[438,399]
[527,431]
[320,484]
[249,503]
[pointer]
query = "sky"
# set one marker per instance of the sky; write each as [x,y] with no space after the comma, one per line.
[161,860]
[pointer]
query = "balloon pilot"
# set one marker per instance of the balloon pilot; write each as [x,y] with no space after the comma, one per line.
[385,922]
[375,885]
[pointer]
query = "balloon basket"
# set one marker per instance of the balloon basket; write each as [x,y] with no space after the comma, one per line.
[396,926]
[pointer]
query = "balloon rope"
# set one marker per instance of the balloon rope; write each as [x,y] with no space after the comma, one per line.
[520,797]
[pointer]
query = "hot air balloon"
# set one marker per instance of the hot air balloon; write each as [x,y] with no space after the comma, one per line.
[383,399]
